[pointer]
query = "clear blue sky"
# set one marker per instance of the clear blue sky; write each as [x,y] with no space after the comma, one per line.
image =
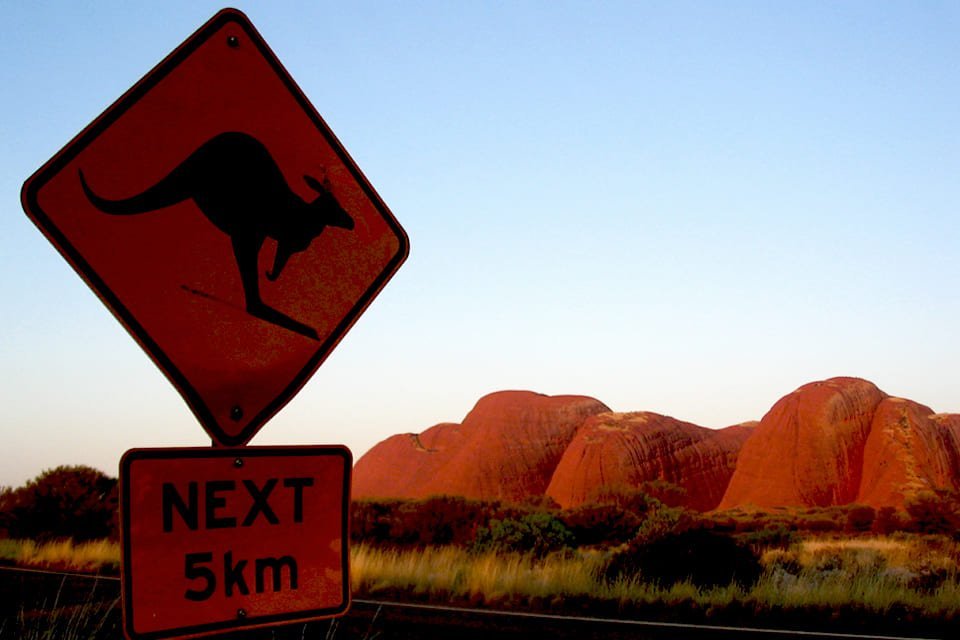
[684,207]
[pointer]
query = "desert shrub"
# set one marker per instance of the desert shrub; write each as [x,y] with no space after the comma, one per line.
[928,580]
[821,520]
[534,533]
[820,524]
[605,524]
[7,502]
[371,520]
[744,522]
[75,502]
[438,520]
[699,555]
[935,511]
[887,521]
[627,498]
[446,519]
[668,493]
[783,561]
[772,536]
[721,522]
[663,521]
[859,518]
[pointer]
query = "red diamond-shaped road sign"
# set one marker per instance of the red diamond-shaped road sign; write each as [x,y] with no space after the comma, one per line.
[218,217]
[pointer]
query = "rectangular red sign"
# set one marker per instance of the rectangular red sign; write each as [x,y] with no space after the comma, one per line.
[218,539]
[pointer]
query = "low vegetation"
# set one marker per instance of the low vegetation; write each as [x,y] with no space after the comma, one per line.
[93,556]
[95,617]
[871,584]
[631,554]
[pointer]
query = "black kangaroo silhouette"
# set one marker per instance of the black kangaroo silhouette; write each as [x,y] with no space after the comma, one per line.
[238,186]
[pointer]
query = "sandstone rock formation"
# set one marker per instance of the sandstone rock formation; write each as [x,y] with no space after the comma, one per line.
[842,441]
[909,450]
[832,442]
[613,452]
[506,449]
[402,465]
[808,449]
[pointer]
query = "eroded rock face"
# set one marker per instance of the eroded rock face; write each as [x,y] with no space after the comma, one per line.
[833,442]
[506,449]
[401,465]
[808,449]
[910,449]
[614,452]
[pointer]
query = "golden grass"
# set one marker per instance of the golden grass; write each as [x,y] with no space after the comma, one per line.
[880,576]
[876,575]
[455,572]
[899,553]
[65,554]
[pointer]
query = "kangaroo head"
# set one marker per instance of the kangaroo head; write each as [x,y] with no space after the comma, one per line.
[323,211]
[325,206]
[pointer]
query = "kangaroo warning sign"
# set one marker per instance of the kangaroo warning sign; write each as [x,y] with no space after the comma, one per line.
[221,539]
[221,221]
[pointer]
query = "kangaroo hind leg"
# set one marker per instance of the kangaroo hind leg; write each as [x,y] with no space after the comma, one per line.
[246,249]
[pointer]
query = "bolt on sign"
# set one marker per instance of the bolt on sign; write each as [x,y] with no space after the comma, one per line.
[217,539]
[222,222]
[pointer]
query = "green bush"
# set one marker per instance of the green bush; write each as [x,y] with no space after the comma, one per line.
[773,536]
[663,521]
[603,524]
[534,533]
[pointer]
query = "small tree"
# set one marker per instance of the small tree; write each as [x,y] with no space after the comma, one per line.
[76,502]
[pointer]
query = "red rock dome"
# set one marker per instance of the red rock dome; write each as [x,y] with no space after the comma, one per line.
[618,451]
[506,449]
[808,449]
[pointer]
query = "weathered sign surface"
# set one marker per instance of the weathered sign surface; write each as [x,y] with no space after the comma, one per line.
[216,539]
[219,218]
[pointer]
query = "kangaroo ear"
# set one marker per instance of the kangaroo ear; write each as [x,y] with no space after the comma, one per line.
[316,185]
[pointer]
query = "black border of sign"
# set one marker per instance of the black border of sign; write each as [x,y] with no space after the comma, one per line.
[31,205]
[134,455]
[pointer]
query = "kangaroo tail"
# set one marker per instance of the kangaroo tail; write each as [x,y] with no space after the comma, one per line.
[163,194]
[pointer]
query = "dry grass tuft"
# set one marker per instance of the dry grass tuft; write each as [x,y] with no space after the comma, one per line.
[65,554]
[453,572]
